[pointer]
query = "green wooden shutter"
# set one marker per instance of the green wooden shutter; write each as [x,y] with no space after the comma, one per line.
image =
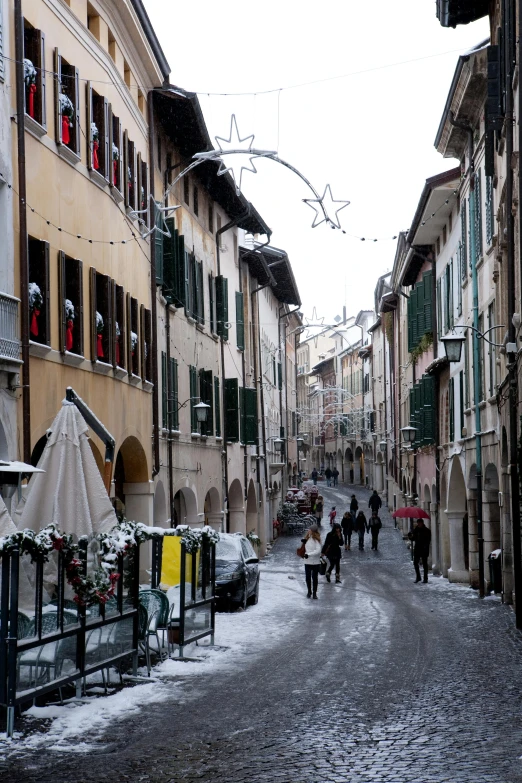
[208,400]
[174,416]
[421,328]
[428,383]
[464,237]
[410,324]
[242,433]
[217,407]
[478,216]
[279,375]
[489,210]
[222,306]
[158,244]
[439,308]
[168,272]
[427,288]
[164,401]
[240,321]
[193,378]
[414,321]
[250,414]
[211,305]
[231,410]
[201,293]
[451,410]
[451,296]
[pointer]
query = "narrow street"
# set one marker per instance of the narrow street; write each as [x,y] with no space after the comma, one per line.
[379,680]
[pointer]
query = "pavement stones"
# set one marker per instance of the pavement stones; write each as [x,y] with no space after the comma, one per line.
[383,681]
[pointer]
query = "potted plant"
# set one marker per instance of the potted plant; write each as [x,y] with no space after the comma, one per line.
[95,145]
[35,306]
[115,159]
[67,113]
[118,337]
[69,321]
[30,83]
[99,335]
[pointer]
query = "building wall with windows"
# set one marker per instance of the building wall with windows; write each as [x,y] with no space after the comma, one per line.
[87,161]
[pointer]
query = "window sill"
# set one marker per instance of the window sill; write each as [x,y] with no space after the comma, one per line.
[195,435]
[479,263]
[134,379]
[102,367]
[39,349]
[68,155]
[115,193]
[34,127]
[148,386]
[482,405]
[492,400]
[131,213]
[219,439]
[98,179]
[73,359]
[200,327]
[215,336]
[120,372]
[492,245]
[467,412]
[204,438]
[191,320]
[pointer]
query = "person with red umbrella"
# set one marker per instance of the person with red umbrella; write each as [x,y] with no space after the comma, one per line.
[420,537]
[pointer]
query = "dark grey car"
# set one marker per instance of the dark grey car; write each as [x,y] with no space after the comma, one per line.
[237,571]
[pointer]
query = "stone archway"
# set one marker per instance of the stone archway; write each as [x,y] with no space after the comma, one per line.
[340,465]
[213,513]
[186,508]
[458,522]
[348,461]
[490,514]
[160,514]
[472,527]
[133,492]
[236,508]
[445,553]
[358,466]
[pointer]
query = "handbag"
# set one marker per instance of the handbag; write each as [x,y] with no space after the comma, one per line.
[301,550]
[322,566]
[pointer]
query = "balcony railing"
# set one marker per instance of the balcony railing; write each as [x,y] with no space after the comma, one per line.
[9,340]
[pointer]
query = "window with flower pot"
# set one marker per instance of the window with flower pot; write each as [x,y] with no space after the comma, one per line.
[98,158]
[34,73]
[101,317]
[66,103]
[39,292]
[129,172]
[146,343]
[119,327]
[142,187]
[116,147]
[70,279]
[133,345]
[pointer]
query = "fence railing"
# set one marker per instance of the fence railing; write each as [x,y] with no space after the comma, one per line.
[9,339]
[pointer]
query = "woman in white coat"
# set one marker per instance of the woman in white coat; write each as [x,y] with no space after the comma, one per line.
[312,558]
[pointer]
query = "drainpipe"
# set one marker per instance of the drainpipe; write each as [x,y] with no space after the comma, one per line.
[22,218]
[243,372]
[170,403]
[476,344]
[153,308]
[385,467]
[436,409]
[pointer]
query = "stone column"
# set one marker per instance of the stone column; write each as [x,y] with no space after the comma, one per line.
[435,544]
[506,540]
[457,571]
[473,543]
[490,528]
[216,521]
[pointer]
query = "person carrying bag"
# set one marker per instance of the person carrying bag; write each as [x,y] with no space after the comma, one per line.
[312,558]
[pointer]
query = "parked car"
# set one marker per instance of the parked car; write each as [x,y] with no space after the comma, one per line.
[237,571]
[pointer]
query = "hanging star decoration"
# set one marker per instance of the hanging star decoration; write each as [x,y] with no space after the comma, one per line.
[145,231]
[326,202]
[235,145]
[313,323]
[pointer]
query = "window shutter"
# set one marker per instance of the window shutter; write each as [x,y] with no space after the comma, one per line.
[107,158]
[478,215]
[231,410]
[250,409]
[240,321]
[174,403]
[451,411]
[193,378]
[429,408]
[126,163]
[489,210]
[211,305]
[494,92]
[80,306]
[128,320]
[464,237]
[47,277]
[164,392]
[143,358]
[222,306]
[217,407]
[57,88]
[427,287]
[61,298]
[439,309]
[208,400]
[419,289]
[242,419]
[94,341]
[410,324]
[40,42]
[202,396]
[279,375]
[451,297]
[90,119]
[168,247]
[414,320]
[77,124]
[201,293]
[160,241]
[187,282]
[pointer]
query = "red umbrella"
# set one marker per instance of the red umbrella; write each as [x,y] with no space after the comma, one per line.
[411,512]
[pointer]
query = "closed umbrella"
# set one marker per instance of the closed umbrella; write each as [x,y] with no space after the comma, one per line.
[70,493]
[410,512]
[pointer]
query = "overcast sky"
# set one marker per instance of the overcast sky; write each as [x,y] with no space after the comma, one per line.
[369,135]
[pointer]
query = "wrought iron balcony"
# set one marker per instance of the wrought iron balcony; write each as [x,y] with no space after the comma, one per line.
[9,340]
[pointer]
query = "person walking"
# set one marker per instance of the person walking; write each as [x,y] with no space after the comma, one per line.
[347,528]
[319,505]
[420,537]
[328,476]
[360,526]
[354,507]
[374,526]
[335,476]
[375,502]
[332,515]
[314,475]
[333,550]
[312,557]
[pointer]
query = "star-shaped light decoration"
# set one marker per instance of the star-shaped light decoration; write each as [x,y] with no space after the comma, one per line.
[234,145]
[325,203]
[313,322]
[158,208]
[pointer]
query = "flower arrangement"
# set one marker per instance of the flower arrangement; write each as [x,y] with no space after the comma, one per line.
[99,323]
[69,310]
[254,539]
[99,335]
[35,297]
[115,152]
[69,320]
[95,146]
[134,341]
[94,132]
[118,331]
[66,105]
[29,72]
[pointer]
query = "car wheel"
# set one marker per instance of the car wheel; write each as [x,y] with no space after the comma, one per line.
[244,598]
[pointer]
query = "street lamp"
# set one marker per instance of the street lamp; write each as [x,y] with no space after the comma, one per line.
[278,445]
[408,434]
[300,443]
[202,410]
[382,445]
[453,346]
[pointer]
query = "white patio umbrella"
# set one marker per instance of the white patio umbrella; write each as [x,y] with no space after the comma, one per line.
[7,526]
[70,493]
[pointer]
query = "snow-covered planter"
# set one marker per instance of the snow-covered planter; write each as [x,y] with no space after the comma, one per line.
[67,113]
[29,72]
[99,335]
[69,310]
[95,135]
[35,306]
[69,324]
[254,539]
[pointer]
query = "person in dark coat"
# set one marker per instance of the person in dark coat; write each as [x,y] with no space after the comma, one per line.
[420,537]
[375,502]
[354,508]
[347,528]
[314,475]
[360,526]
[319,509]
[328,476]
[335,476]
[332,548]
[374,525]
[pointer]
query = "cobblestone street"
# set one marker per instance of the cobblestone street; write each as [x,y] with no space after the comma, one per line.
[379,680]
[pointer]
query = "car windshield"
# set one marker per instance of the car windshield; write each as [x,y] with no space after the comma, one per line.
[227,549]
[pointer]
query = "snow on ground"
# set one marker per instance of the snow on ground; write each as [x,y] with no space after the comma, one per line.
[238,637]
